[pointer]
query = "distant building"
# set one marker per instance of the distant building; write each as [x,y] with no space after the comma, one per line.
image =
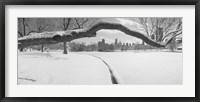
[116,42]
[103,41]
[102,46]
[116,45]
[120,42]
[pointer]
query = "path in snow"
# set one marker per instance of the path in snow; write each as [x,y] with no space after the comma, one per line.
[145,68]
[114,77]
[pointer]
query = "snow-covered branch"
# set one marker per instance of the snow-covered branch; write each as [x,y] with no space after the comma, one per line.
[69,35]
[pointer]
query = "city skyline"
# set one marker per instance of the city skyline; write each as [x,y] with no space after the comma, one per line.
[111,35]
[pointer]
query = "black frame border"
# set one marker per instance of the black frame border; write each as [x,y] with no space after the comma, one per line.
[3,3]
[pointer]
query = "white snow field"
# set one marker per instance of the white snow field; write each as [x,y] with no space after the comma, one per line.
[60,69]
[145,68]
[86,68]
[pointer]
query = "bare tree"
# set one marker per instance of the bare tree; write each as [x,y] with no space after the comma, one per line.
[74,23]
[27,26]
[80,23]
[41,26]
[64,23]
[23,27]
[159,29]
[145,24]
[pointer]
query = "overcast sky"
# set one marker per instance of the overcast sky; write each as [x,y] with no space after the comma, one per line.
[111,35]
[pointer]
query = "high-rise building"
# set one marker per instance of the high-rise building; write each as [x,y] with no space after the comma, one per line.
[103,41]
[120,43]
[116,41]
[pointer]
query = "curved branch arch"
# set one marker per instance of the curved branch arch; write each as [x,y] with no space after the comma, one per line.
[60,36]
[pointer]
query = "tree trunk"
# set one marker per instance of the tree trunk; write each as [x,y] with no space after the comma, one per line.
[65,48]
[21,49]
[172,49]
[42,48]
[142,42]
[24,27]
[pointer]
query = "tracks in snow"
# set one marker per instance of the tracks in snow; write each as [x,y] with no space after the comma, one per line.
[114,76]
[26,79]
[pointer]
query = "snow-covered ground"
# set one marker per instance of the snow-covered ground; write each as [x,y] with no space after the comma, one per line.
[85,68]
[57,68]
[142,68]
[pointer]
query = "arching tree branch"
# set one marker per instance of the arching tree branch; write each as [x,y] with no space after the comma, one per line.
[69,35]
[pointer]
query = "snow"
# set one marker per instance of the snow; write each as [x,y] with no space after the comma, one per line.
[50,34]
[82,68]
[46,35]
[59,69]
[146,68]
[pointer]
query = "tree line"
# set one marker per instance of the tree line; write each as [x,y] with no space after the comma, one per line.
[157,29]
[27,26]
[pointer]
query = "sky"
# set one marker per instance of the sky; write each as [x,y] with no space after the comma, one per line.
[111,35]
